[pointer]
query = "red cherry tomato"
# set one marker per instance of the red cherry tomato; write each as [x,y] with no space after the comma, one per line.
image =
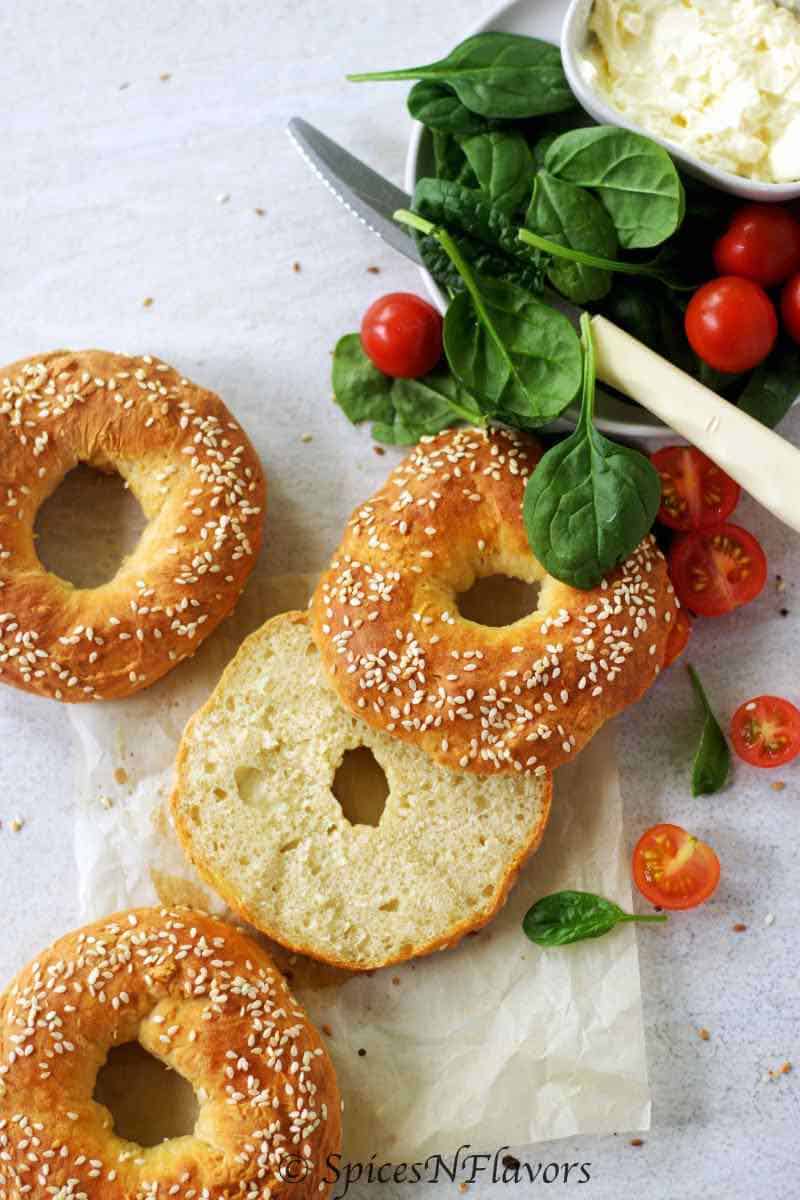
[695,492]
[731,324]
[678,637]
[672,869]
[716,570]
[790,307]
[761,243]
[402,335]
[766,731]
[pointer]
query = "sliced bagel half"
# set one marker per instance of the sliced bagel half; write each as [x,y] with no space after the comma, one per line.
[255,805]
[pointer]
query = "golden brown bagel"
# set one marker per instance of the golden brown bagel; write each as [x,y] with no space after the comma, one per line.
[199,482]
[207,1001]
[523,697]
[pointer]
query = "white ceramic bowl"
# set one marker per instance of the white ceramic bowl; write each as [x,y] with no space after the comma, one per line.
[574,37]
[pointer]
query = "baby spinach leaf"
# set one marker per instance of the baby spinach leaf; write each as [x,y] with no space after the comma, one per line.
[437,106]
[567,917]
[450,160]
[483,259]
[497,75]
[774,386]
[518,355]
[589,502]
[712,763]
[503,165]
[403,410]
[571,216]
[635,179]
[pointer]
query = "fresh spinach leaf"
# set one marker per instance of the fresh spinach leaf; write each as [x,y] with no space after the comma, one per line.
[635,179]
[497,75]
[540,148]
[503,165]
[483,259]
[517,354]
[437,106]
[571,216]
[402,410]
[774,386]
[567,917]
[450,160]
[589,502]
[712,762]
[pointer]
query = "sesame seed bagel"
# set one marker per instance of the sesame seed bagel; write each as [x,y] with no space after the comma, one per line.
[255,808]
[200,485]
[522,697]
[207,1001]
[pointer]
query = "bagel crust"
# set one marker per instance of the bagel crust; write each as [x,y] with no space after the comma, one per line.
[522,697]
[205,999]
[199,482]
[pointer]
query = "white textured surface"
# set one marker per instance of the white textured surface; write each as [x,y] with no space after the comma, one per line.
[111,195]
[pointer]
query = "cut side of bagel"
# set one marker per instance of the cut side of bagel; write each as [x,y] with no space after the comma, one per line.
[256,812]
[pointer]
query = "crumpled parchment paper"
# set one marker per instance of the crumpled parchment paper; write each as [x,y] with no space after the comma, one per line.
[495,1043]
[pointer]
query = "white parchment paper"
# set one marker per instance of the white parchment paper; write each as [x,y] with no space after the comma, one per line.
[494,1043]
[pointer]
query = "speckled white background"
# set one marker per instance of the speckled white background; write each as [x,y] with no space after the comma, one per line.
[110,194]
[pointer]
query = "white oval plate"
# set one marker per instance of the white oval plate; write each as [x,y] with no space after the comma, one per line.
[543,19]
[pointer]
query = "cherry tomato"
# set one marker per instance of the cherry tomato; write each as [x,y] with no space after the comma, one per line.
[761,243]
[790,307]
[672,869]
[695,492]
[402,335]
[678,637]
[731,324]
[716,570]
[766,731]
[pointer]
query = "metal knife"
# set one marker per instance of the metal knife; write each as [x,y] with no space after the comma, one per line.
[765,464]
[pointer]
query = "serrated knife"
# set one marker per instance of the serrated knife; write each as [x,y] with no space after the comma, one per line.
[765,464]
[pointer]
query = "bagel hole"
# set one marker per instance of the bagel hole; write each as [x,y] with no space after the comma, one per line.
[497,600]
[361,787]
[88,527]
[148,1101]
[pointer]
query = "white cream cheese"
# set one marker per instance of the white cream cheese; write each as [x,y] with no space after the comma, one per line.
[720,78]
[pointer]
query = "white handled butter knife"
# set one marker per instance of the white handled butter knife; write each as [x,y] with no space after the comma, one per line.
[765,464]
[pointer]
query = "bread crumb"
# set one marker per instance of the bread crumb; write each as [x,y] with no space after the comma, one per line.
[379,450]
[326,1029]
[306,437]
[372,270]
[16,824]
[739,927]
[463,1187]
[296,267]
[106,802]
[362,1053]
[704,1035]
[260,212]
[121,775]
[637,1142]
[165,75]
[396,980]
[147,302]
[783,1069]
[778,785]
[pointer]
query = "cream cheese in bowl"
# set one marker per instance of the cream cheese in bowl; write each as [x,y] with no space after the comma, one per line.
[720,78]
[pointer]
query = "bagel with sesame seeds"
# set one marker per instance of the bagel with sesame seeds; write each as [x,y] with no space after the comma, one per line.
[255,806]
[523,697]
[198,481]
[206,1000]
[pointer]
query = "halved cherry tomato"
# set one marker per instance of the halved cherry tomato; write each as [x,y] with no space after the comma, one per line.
[761,243]
[716,570]
[731,323]
[695,492]
[766,731]
[678,637]
[672,869]
[402,335]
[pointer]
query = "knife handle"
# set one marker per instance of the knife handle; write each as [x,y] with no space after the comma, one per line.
[765,464]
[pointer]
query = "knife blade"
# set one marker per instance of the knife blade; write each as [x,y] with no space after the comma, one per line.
[362,191]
